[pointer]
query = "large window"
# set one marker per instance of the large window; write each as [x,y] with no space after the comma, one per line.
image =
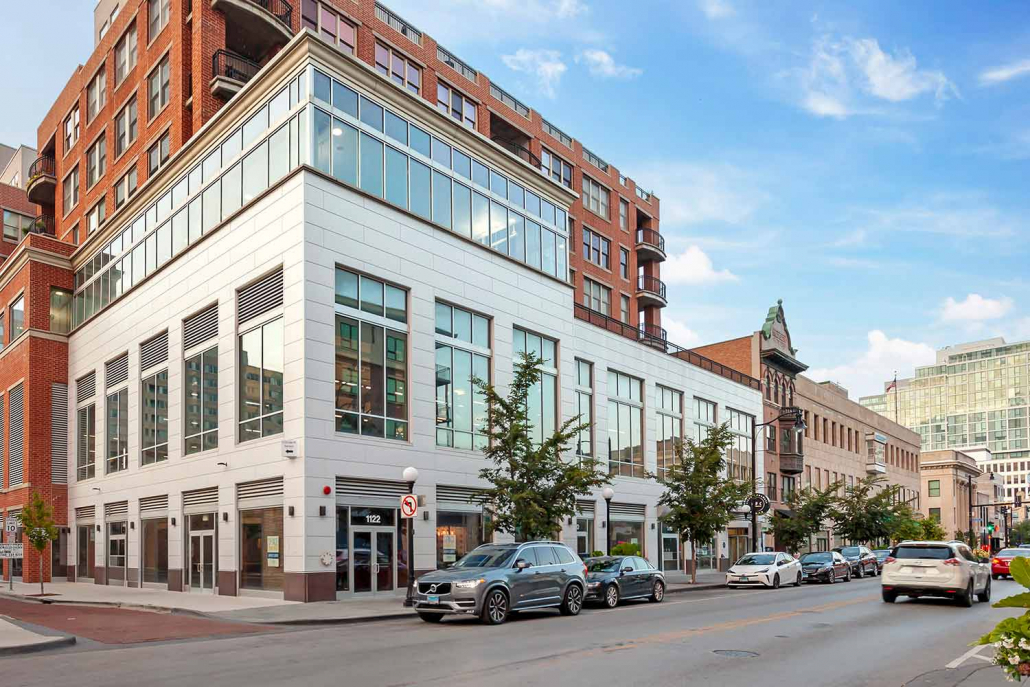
[457,533]
[623,215]
[595,197]
[200,426]
[625,425]
[126,187]
[15,225]
[154,540]
[553,166]
[86,442]
[624,263]
[668,427]
[154,432]
[70,189]
[96,161]
[596,248]
[585,407]
[96,216]
[452,102]
[624,309]
[261,381]
[597,297]
[117,430]
[704,418]
[462,354]
[542,402]
[396,66]
[739,453]
[96,94]
[332,27]
[17,317]
[158,12]
[125,54]
[71,129]
[60,310]
[933,487]
[157,155]
[371,357]
[158,87]
[126,127]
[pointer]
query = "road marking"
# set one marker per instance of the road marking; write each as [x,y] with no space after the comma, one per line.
[972,653]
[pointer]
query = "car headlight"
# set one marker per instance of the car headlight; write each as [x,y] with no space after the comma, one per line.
[593,585]
[764,570]
[731,571]
[826,568]
[469,584]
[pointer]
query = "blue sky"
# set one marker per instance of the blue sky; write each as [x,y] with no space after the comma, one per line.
[866,162]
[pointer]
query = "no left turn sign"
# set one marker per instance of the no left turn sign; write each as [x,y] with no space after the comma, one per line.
[409,506]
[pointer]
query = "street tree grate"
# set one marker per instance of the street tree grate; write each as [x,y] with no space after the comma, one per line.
[735,653]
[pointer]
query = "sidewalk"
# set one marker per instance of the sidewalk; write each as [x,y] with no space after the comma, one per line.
[15,639]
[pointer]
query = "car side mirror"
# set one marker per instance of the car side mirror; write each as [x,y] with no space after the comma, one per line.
[522,565]
[627,569]
[782,563]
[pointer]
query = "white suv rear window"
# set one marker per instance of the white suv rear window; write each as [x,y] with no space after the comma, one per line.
[936,553]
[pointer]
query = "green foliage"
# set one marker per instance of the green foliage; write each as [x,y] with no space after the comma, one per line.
[932,530]
[904,525]
[1011,637]
[1021,532]
[626,549]
[37,521]
[699,497]
[595,554]
[534,488]
[809,508]
[867,511]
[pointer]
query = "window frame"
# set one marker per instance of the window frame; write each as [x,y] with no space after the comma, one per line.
[447,107]
[163,15]
[548,162]
[585,392]
[72,129]
[96,161]
[162,71]
[594,292]
[122,185]
[633,405]
[96,93]
[128,46]
[259,325]
[121,455]
[76,190]
[676,416]
[131,126]
[16,304]
[86,470]
[596,197]
[162,149]
[388,71]
[200,352]
[337,41]
[597,248]
[478,438]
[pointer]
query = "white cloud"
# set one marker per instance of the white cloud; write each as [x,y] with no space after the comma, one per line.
[694,193]
[678,333]
[957,215]
[545,66]
[602,65]
[866,374]
[570,8]
[975,308]
[854,238]
[896,78]
[716,9]
[693,266]
[1005,72]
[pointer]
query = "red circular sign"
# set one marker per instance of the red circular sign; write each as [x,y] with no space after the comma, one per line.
[409,505]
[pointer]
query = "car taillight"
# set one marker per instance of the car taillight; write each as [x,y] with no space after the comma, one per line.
[952,561]
[890,559]
[996,561]
[584,570]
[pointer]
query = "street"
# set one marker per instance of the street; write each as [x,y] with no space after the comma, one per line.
[817,635]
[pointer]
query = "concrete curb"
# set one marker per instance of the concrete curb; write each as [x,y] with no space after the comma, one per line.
[109,604]
[680,589]
[50,643]
[300,622]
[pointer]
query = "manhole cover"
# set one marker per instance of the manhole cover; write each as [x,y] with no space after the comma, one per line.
[735,653]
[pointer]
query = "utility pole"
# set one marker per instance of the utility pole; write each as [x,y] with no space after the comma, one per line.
[972,497]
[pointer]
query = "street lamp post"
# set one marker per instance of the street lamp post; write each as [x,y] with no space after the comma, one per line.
[608,493]
[410,475]
[799,426]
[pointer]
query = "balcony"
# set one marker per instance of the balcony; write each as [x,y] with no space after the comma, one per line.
[654,336]
[42,181]
[650,246]
[792,463]
[518,151]
[230,72]
[875,468]
[44,224]
[651,292]
[254,27]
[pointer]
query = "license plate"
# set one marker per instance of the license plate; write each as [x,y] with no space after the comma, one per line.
[433,599]
[804,576]
[743,578]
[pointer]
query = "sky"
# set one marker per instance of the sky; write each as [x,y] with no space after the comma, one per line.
[868,163]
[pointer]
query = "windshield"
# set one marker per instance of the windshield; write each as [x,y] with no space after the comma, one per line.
[757,559]
[851,551]
[1014,552]
[817,558]
[935,553]
[882,553]
[602,565]
[485,558]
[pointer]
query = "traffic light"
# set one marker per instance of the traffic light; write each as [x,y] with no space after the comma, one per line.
[990,528]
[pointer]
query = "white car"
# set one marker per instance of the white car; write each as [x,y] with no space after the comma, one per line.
[935,568]
[765,569]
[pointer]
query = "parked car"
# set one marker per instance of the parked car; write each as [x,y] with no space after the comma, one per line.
[881,555]
[764,569]
[611,579]
[825,566]
[861,558]
[1001,560]
[1024,546]
[493,580]
[934,568]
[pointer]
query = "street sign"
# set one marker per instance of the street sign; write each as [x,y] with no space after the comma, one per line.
[409,506]
[11,551]
[759,503]
[11,525]
[290,449]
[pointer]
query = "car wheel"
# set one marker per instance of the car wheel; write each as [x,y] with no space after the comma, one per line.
[997,577]
[572,604]
[847,575]
[797,582]
[431,617]
[495,607]
[985,595]
[889,597]
[658,592]
[861,572]
[611,596]
[965,600]
[832,577]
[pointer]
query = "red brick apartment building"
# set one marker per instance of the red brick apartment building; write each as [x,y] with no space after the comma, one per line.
[158,73]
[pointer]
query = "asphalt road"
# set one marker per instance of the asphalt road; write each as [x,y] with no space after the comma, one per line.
[817,635]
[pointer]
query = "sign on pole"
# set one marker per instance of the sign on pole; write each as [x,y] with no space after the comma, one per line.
[409,506]
[11,551]
[11,525]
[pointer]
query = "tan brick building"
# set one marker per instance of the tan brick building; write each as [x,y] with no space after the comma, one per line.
[948,479]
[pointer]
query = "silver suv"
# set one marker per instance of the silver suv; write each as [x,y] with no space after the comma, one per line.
[495,579]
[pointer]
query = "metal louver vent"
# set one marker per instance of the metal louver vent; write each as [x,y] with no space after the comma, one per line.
[636,510]
[16,437]
[585,507]
[152,503]
[200,500]
[116,371]
[85,387]
[260,297]
[120,508]
[260,490]
[59,433]
[462,495]
[154,351]
[199,328]
[85,512]
[370,488]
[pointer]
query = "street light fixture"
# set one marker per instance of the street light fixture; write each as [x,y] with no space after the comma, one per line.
[410,475]
[797,415]
[608,493]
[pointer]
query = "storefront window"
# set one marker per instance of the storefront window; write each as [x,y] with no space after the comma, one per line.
[155,550]
[670,549]
[456,535]
[86,553]
[740,543]
[628,532]
[261,548]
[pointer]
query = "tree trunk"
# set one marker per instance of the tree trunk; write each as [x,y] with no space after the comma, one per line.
[693,557]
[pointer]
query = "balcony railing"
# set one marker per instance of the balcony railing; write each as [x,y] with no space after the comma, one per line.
[509,100]
[280,9]
[651,285]
[232,66]
[42,165]
[651,238]
[44,224]
[42,181]
[652,334]
[519,151]
[404,28]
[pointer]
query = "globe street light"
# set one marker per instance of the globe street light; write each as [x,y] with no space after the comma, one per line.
[608,493]
[410,475]
[799,427]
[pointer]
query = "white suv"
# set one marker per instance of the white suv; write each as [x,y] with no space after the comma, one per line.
[935,568]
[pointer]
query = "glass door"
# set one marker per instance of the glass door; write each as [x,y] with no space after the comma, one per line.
[374,557]
[202,562]
[116,552]
[86,553]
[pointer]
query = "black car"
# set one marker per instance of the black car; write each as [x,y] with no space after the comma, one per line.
[862,560]
[611,579]
[825,566]
[881,555]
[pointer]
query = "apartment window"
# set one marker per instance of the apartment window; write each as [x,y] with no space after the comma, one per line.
[118,430]
[462,354]
[334,28]
[16,224]
[585,407]
[86,442]
[154,430]
[542,405]
[158,12]
[624,309]
[597,297]
[71,129]
[558,169]
[596,248]
[787,486]
[704,418]
[126,128]
[770,485]
[624,263]
[3,319]
[623,215]
[158,87]
[96,161]
[125,55]
[17,310]
[935,513]
[397,67]
[70,189]
[668,427]
[261,381]
[157,155]
[625,425]
[933,487]
[739,453]
[451,102]
[95,218]
[126,187]
[371,357]
[200,426]
[595,197]
[96,94]
[60,310]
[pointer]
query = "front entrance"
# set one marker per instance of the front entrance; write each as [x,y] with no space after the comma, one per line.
[375,560]
[740,543]
[116,552]
[202,553]
[671,561]
[86,553]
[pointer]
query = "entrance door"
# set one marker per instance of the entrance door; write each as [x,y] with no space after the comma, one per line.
[86,552]
[202,562]
[116,552]
[374,557]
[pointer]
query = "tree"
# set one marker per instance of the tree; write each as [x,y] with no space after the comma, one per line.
[1020,534]
[534,488]
[932,530]
[37,521]
[809,508]
[866,510]
[700,498]
[903,524]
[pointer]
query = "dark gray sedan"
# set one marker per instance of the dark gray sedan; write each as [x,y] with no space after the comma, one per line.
[611,579]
